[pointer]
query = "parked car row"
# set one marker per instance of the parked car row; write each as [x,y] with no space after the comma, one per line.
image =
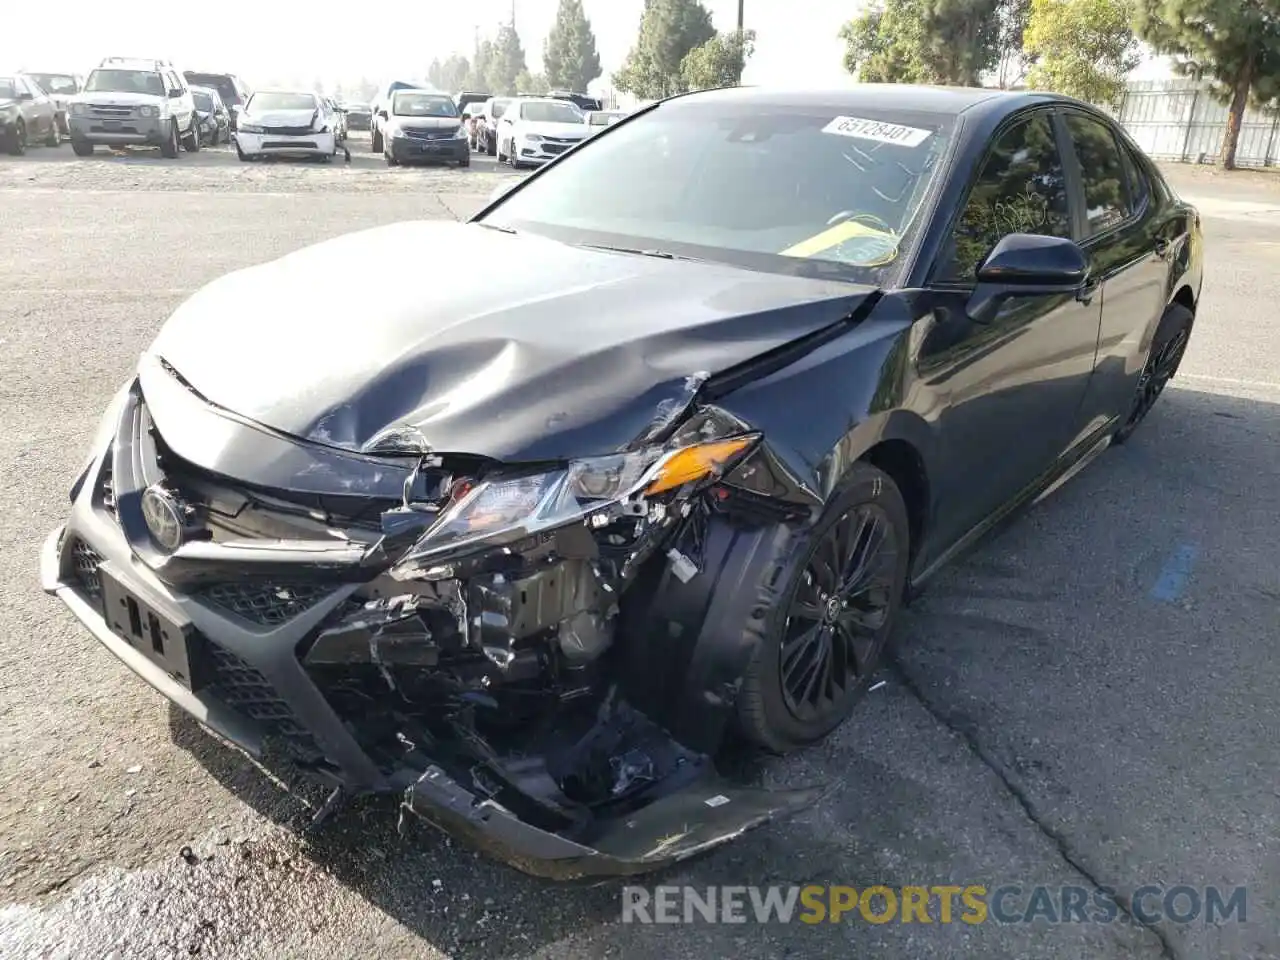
[27,114]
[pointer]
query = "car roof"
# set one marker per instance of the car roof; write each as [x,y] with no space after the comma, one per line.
[879,97]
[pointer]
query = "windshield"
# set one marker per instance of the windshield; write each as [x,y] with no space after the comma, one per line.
[423,105]
[222,83]
[549,111]
[787,188]
[281,101]
[55,82]
[125,81]
[203,101]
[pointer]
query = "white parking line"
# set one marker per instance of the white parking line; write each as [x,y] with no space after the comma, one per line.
[1269,385]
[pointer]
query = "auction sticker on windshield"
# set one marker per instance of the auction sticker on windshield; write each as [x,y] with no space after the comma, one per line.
[877,130]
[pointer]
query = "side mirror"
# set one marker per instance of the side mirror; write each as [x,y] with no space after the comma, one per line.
[26,95]
[1027,265]
[175,92]
[382,114]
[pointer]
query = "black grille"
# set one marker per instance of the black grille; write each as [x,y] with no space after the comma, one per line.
[245,690]
[85,562]
[418,133]
[289,131]
[268,604]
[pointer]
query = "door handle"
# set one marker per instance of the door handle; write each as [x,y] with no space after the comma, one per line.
[1087,291]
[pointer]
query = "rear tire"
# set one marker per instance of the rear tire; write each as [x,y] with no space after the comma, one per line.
[490,145]
[861,545]
[169,149]
[191,142]
[1167,349]
[53,138]
[375,142]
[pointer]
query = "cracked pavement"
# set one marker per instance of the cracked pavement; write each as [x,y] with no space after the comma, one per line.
[1050,716]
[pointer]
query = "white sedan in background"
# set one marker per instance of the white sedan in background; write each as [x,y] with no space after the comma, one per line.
[534,130]
[285,123]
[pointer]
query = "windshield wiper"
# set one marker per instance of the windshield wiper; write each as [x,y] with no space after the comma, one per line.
[494,226]
[659,254]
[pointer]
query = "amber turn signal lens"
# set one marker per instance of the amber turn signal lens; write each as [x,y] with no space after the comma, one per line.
[695,463]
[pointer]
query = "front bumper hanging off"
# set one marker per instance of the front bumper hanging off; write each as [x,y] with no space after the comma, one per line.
[249,683]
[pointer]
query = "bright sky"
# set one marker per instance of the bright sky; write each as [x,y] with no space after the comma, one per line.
[278,41]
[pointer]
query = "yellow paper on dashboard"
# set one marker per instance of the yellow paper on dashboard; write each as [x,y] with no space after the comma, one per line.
[882,248]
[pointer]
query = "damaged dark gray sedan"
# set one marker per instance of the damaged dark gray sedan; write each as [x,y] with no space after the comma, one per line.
[696,408]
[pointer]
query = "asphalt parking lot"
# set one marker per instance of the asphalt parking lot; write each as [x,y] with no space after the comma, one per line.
[1088,699]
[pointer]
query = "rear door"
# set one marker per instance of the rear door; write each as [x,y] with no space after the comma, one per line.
[1008,392]
[1126,240]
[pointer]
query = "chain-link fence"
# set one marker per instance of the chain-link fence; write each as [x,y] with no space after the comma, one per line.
[1182,120]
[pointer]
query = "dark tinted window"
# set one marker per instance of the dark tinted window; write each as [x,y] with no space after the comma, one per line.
[1101,172]
[224,84]
[1020,189]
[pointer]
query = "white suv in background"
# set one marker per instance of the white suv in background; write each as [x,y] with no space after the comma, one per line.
[134,102]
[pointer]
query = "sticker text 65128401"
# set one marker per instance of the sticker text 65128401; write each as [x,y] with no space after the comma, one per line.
[877,130]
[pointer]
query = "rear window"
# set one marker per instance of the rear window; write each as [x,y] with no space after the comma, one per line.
[55,83]
[498,107]
[790,188]
[221,82]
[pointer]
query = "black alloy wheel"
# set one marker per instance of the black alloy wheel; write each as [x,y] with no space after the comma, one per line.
[1167,349]
[837,598]
[834,632]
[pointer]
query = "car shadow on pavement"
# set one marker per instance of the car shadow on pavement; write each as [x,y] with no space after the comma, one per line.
[982,765]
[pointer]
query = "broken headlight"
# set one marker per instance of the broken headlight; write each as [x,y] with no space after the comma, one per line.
[508,508]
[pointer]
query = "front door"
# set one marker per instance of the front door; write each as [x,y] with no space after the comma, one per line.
[1009,391]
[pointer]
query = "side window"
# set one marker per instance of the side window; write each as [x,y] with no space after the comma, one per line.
[1101,172]
[1021,188]
[1139,186]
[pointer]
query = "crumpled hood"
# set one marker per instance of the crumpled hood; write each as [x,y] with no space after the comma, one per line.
[506,346]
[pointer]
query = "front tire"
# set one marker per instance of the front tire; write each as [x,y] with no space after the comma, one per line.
[375,141]
[18,142]
[53,138]
[823,642]
[1167,349]
[169,149]
[82,148]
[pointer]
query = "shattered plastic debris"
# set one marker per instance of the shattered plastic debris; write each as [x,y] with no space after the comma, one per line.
[634,766]
[682,567]
[400,438]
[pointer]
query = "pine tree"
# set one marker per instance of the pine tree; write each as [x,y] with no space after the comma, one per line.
[1233,43]
[570,60]
[669,30]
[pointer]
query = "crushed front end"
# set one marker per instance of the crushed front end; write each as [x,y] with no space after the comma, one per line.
[479,638]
